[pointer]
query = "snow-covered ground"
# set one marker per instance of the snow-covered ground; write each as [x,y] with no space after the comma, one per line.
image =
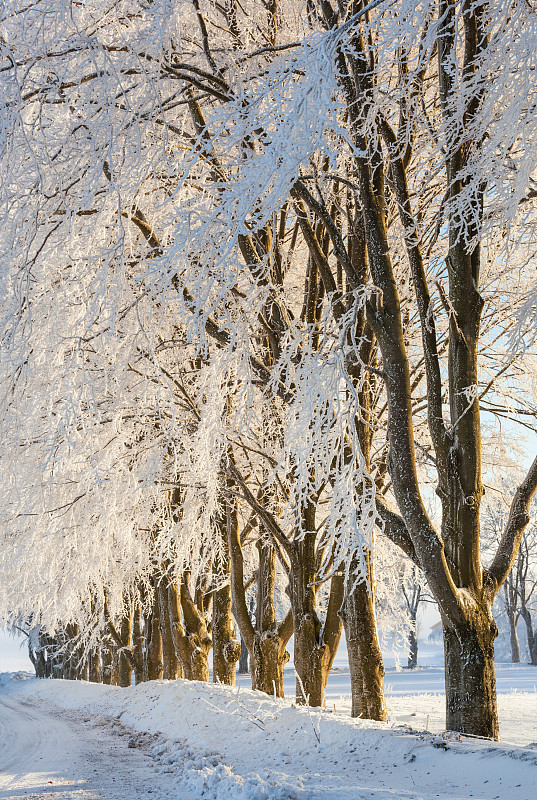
[187,741]
[46,754]
[416,697]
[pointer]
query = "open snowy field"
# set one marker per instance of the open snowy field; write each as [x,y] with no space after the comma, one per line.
[64,740]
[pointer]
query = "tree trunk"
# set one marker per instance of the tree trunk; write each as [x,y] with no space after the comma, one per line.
[48,647]
[365,657]
[82,673]
[125,660]
[197,635]
[69,656]
[226,649]
[267,662]
[413,641]
[38,661]
[268,654]
[138,646]
[172,668]
[470,679]
[513,636]
[266,641]
[309,651]
[153,662]
[94,666]
[314,646]
[531,634]
[192,646]
[107,658]
[412,662]
[243,659]
[114,674]
[532,644]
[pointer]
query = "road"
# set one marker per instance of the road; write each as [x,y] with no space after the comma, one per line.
[48,755]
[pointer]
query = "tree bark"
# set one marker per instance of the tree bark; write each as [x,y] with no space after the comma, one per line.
[94,666]
[107,656]
[125,659]
[470,678]
[38,658]
[267,641]
[172,667]
[83,671]
[243,659]
[153,661]
[531,634]
[226,648]
[364,653]
[315,646]
[412,661]
[192,642]
[268,659]
[137,646]
[198,637]
[513,637]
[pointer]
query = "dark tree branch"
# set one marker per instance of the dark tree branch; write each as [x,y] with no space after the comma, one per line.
[514,530]
[395,529]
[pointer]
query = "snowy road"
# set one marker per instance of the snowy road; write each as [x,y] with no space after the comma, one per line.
[45,756]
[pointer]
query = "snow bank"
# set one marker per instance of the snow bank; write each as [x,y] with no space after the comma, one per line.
[229,744]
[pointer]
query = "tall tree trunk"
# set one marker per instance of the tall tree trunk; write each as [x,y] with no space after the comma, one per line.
[226,648]
[197,634]
[94,666]
[513,636]
[364,653]
[267,640]
[267,661]
[107,657]
[38,660]
[70,656]
[470,678]
[531,634]
[83,671]
[243,659]
[268,655]
[172,667]
[192,642]
[412,662]
[137,646]
[315,646]
[125,659]
[114,676]
[153,662]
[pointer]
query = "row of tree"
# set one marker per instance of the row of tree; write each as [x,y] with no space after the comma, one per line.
[264,265]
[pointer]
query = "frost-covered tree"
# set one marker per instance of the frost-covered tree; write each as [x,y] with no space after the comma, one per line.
[425,115]
[321,205]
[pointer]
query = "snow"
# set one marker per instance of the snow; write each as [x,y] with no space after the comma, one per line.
[218,743]
[68,756]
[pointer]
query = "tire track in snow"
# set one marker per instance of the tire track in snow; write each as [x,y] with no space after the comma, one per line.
[48,756]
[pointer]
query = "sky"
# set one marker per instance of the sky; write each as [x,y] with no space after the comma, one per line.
[13,653]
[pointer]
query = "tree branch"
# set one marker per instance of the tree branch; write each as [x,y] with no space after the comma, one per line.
[395,529]
[514,530]
[423,299]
